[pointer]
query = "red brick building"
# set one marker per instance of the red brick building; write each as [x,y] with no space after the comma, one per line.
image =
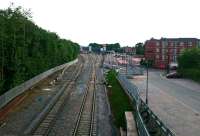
[130,50]
[165,51]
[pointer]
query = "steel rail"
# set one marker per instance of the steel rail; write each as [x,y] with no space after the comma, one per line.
[87,120]
[48,120]
[93,108]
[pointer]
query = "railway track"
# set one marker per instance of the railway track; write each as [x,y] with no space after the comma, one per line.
[47,122]
[86,121]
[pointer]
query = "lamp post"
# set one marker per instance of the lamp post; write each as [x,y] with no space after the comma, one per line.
[147,81]
[126,60]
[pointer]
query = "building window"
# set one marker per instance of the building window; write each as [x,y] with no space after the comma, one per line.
[174,58]
[181,43]
[190,43]
[157,56]
[198,44]
[163,57]
[157,43]
[175,50]
[157,49]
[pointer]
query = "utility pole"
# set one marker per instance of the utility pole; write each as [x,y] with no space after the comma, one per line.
[167,59]
[103,61]
[126,64]
[126,61]
[168,66]
[147,82]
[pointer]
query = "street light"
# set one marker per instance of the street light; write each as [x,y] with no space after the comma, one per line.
[147,81]
[126,60]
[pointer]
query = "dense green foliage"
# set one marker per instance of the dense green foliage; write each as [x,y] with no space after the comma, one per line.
[95,47]
[139,47]
[113,47]
[146,63]
[27,50]
[118,99]
[109,47]
[189,63]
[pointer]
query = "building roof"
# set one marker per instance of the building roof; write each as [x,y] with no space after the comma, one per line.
[180,39]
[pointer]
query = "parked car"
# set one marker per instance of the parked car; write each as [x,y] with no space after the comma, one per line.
[173,75]
[173,66]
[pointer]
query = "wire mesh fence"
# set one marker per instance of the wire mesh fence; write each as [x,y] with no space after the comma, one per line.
[148,124]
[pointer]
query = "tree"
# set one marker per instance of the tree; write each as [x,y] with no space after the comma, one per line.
[109,47]
[189,63]
[139,48]
[27,50]
[113,47]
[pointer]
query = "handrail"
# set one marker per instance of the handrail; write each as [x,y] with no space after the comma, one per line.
[133,93]
[142,130]
[16,91]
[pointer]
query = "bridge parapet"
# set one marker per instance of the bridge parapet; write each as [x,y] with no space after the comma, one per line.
[16,91]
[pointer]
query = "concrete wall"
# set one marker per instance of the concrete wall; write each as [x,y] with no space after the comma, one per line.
[130,124]
[12,93]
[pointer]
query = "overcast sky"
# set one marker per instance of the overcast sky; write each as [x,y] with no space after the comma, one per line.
[111,21]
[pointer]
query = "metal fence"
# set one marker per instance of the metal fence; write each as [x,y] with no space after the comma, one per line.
[12,93]
[133,93]
[143,115]
[163,130]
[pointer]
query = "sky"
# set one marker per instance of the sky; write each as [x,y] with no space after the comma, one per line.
[110,21]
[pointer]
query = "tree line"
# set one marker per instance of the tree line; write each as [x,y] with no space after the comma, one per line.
[27,50]
[189,63]
[109,47]
[139,48]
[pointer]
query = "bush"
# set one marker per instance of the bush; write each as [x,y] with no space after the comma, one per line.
[191,73]
[189,64]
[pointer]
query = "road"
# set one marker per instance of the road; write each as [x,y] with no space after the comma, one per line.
[175,101]
[20,118]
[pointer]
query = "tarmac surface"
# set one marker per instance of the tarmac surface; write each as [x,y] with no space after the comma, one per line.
[175,101]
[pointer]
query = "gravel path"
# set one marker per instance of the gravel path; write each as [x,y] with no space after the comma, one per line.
[104,118]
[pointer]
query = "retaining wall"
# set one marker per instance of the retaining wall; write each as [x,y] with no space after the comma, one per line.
[12,93]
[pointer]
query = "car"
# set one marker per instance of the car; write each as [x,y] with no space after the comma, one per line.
[173,75]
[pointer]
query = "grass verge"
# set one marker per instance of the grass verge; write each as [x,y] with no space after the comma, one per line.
[118,99]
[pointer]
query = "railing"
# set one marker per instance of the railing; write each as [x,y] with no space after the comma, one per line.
[129,87]
[14,92]
[142,130]
[164,131]
[133,93]
[144,116]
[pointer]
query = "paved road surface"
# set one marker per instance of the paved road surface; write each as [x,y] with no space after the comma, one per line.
[175,101]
